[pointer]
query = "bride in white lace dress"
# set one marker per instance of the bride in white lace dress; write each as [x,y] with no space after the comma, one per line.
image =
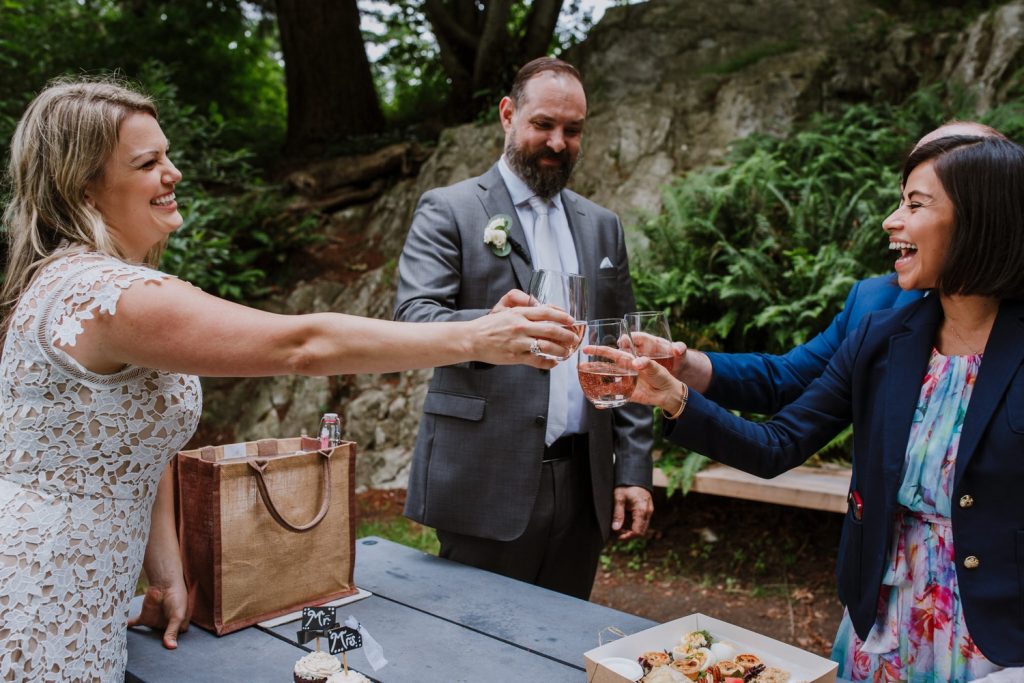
[98,385]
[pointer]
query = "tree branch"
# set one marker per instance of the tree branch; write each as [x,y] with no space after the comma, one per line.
[445,24]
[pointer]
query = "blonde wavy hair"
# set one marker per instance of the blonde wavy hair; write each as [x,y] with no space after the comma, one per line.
[60,146]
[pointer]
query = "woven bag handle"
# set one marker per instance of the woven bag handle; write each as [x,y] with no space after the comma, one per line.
[260,465]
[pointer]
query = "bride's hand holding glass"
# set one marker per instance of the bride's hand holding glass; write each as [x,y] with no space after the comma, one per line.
[531,335]
[566,292]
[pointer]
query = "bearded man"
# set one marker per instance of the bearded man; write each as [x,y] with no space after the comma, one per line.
[516,471]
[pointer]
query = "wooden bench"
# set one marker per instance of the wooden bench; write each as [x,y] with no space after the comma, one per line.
[817,488]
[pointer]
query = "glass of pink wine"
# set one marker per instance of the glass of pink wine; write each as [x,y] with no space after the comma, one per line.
[567,291]
[606,380]
[651,336]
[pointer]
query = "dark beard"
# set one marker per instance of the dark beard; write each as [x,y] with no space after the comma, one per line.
[545,182]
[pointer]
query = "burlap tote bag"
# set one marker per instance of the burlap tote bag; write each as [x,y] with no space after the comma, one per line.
[265,528]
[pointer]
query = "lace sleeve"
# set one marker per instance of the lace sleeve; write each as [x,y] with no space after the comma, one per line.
[80,293]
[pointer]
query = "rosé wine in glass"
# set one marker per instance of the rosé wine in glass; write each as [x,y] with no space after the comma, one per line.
[605,381]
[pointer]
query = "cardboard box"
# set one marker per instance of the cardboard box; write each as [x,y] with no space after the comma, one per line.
[801,665]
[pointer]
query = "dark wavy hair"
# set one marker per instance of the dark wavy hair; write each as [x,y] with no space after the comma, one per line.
[984,178]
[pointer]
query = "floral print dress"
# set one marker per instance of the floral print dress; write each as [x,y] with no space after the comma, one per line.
[920,635]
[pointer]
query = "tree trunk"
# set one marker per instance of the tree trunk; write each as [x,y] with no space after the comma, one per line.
[330,87]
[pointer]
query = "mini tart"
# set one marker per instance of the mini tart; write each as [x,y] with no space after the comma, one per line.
[680,652]
[730,668]
[688,667]
[702,657]
[655,658]
[748,661]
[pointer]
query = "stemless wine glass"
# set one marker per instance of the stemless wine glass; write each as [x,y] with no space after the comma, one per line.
[605,382]
[566,291]
[651,336]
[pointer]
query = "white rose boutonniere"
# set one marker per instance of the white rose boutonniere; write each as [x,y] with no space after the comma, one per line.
[496,234]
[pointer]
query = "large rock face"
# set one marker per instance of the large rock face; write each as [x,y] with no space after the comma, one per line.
[671,83]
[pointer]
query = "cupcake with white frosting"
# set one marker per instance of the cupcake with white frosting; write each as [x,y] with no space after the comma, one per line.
[316,667]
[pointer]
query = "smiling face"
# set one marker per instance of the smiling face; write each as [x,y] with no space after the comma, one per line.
[135,194]
[544,130]
[921,228]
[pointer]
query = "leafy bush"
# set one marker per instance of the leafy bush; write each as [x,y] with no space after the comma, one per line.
[760,255]
[236,227]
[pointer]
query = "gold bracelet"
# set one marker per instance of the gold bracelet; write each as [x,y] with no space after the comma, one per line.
[682,403]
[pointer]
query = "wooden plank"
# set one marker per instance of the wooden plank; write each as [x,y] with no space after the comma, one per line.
[815,488]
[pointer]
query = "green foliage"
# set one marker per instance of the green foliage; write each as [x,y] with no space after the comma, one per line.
[759,255]
[191,39]
[236,228]
[408,72]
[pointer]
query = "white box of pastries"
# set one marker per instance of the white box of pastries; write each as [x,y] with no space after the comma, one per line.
[700,648]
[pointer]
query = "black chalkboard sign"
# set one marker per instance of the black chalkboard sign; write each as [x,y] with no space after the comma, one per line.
[319,618]
[343,639]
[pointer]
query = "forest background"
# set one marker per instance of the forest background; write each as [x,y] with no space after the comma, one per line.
[293,144]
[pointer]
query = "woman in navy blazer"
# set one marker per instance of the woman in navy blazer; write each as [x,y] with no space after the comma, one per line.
[958,231]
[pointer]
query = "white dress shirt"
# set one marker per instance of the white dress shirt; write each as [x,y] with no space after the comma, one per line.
[559,224]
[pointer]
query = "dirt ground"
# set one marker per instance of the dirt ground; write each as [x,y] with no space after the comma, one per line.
[765,567]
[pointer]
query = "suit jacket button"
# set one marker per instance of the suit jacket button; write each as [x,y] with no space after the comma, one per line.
[971,562]
[966,502]
[540,420]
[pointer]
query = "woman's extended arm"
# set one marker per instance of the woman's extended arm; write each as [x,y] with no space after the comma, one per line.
[166,602]
[171,325]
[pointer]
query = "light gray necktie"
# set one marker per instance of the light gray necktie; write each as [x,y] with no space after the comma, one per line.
[546,257]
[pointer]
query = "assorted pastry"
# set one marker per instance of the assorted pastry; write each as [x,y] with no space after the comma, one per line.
[700,657]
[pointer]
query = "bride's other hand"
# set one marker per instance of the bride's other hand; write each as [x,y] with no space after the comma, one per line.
[164,608]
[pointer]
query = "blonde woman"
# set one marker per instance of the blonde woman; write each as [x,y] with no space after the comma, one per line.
[98,385]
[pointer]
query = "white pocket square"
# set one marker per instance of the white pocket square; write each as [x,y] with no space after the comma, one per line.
[606,263]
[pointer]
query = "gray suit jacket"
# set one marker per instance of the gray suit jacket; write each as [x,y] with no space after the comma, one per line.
[476,468]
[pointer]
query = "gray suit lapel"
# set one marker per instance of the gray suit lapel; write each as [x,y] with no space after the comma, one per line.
[586,254]
[495,199]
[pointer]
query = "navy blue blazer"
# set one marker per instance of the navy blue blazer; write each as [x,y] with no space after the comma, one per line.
[763,383]
[874,381]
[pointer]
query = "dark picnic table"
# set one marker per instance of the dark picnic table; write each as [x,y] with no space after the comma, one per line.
[436,620]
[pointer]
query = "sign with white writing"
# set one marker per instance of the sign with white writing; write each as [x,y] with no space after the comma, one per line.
[319,618]
[343,639]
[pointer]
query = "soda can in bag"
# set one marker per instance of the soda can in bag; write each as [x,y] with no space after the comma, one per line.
[330,430]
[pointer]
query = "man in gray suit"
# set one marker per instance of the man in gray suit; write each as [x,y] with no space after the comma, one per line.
[516,471]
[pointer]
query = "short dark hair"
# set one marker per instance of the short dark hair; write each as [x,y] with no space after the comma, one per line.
[984,178]
[539,66]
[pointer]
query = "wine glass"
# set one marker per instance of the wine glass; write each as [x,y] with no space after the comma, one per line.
[605,381]
[651,336]
[566,291]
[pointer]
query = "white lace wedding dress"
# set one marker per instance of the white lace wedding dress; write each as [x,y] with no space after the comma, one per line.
[81,457]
